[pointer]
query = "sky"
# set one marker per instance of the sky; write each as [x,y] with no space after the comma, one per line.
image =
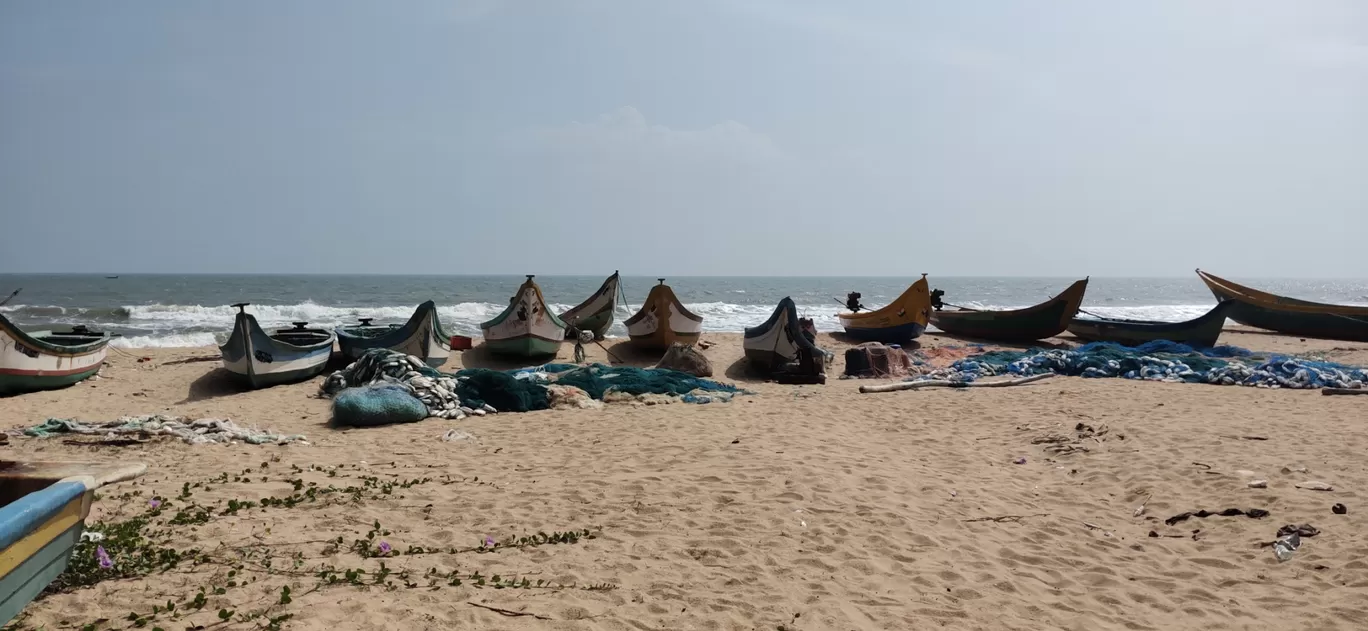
[700,137]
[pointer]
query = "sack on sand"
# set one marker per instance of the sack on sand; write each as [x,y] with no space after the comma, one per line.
[686,359]
[377,404]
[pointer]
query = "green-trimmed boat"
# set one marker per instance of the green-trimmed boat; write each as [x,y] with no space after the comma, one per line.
[1047,319]
[595,314]
[526,328]
[43,507]
[42,360]
[422,336]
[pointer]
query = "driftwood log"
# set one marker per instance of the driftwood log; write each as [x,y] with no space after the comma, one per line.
[1328,391]
[916,385]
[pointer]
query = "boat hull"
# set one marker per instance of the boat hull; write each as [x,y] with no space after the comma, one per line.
[257,360]
[1039,322]
[663,321]
[1200,332]
[595,314]
[41,522]
[778,340]
[526,328]
[898,322]
[1289,316]
[422,337]
[28,364]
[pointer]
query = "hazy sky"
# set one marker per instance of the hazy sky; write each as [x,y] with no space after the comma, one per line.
[729,137]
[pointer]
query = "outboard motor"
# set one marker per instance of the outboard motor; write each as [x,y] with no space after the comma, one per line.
[936,299]
[853,301]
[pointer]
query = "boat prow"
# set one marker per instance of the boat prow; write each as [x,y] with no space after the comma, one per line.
[422,336]
[595,314]
[526,328]
[898,322]
[663,320]
[779,340]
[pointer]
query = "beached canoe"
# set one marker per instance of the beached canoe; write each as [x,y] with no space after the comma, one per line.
[779,340]
[260,360]
[1291,316]
[43,507]
[1047,319]
[42,360]
[898,322]
[1200,332]
[526,328]
[595,314]
[663,320]
[422,337]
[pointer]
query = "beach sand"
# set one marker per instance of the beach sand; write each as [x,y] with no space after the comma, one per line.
[797,507]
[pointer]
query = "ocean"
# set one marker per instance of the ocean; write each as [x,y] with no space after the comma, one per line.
[193,310]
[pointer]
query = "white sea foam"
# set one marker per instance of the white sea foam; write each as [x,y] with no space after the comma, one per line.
[196,325]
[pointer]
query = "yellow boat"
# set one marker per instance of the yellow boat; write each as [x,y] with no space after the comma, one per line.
[900,321]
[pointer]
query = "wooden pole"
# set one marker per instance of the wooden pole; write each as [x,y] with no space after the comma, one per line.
[916,385]
[1329,391]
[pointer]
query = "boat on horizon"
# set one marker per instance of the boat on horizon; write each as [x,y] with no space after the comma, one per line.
[1289,316]
[527,328]
[1045,320]
[898,322]
[663,320]
[595,314]
[1199,332]
[43,360]
[422,336]
[261,360]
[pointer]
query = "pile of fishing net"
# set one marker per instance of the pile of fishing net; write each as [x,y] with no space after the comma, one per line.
[386,386]
[1160,361]
[872,359]
[193,431]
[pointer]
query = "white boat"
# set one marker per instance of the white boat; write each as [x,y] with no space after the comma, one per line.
[287,355]
[526,328]
[42,360]
[663,320]
[422,337]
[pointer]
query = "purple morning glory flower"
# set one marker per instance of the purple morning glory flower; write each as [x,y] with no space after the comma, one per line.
[105,561]
[385,547]
[489,541]
[154,503]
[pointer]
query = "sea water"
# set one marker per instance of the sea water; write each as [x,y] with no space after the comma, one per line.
[193,310]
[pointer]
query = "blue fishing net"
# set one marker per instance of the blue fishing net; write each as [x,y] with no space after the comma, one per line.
[377,404]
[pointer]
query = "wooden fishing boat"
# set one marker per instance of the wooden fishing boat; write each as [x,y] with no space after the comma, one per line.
[1047,319]
[43,514]
[780,339]
[595,314]
[663,320]
[1291,316]
[898,322]
[422,337]
[526,328]
[1200,332]
[42,360]
[260,360]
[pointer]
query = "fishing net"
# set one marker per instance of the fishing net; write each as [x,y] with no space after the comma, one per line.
[597,380]
[377,404]
[501,390]
[873,359]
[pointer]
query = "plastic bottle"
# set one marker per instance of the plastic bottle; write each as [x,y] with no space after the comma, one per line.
[1285,546]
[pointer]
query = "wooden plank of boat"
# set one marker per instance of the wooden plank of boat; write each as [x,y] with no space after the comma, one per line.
[42,360]
[1047,319]
[898,322]
[260,360]
[421,336]
[1289,316]
[1199,332]
[596,313]
[43,514]
[526,328]
[663,320]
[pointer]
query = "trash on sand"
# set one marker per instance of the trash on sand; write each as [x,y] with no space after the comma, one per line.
[1258,484]
[1314,485]
[1253,513]
[1339,509]
[456,434]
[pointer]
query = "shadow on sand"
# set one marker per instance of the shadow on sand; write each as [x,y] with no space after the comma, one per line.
[218,382]
[481,357]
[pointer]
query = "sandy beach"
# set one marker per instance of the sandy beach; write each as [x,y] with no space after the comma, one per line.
[795,507]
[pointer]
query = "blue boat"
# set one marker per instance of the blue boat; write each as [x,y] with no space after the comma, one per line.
[285,356]
[41,521]
[422,337]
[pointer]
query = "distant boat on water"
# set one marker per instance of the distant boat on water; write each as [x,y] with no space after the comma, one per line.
[112,277]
